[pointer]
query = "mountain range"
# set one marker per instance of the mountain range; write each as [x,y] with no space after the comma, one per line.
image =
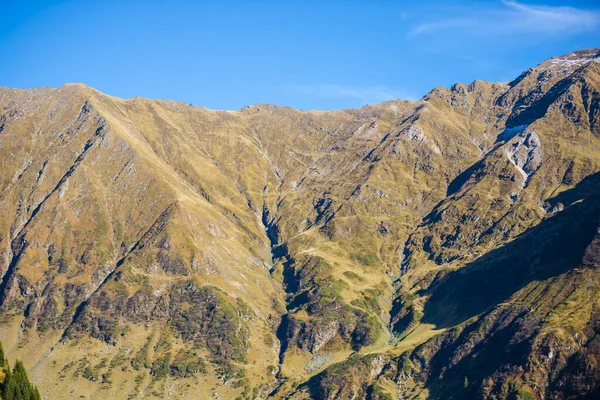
[443,248]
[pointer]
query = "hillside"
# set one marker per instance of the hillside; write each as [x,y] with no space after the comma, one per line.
[443,248]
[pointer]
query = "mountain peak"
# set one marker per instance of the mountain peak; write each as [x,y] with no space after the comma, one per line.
[569,62]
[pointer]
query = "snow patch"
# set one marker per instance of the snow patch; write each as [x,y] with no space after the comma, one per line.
[569,63]
[572,61]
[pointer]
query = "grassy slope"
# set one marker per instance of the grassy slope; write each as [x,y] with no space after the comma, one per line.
[366,203]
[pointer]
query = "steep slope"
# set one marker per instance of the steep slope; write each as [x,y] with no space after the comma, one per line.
[152,248]
[522,321]
[134,223]
[533,297]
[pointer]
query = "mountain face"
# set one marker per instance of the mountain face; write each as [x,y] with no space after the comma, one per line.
[443,248]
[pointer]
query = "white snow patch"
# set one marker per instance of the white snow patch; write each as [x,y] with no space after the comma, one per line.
[574,60]
[569,63]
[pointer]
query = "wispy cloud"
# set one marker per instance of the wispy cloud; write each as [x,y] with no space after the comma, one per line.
[513,18]
[366,95]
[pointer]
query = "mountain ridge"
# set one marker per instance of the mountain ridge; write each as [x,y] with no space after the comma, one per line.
[267,252]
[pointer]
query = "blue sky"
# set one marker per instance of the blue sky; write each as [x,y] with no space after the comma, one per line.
[305,54]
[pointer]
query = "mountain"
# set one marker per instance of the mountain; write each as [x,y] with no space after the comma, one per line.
[443,248]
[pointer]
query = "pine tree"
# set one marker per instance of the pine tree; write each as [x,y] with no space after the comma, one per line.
[2,359]
[16,385]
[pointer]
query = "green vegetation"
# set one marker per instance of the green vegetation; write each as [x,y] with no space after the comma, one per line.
[141,358]
[205,316]
[89,374]
[245,310]
[353,276]
[160,367]
[15,385]
[366,259]
[187,363]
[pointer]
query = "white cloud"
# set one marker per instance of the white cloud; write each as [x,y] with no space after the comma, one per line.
[367,95]
[514,18]
[458,23]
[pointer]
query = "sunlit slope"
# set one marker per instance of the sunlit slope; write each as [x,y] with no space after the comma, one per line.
[152,248]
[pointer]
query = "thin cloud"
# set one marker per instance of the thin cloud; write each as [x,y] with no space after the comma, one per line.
[367,95]
[514,18]
[459,23]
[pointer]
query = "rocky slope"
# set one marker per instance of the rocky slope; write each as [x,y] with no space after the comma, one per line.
[441,248]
